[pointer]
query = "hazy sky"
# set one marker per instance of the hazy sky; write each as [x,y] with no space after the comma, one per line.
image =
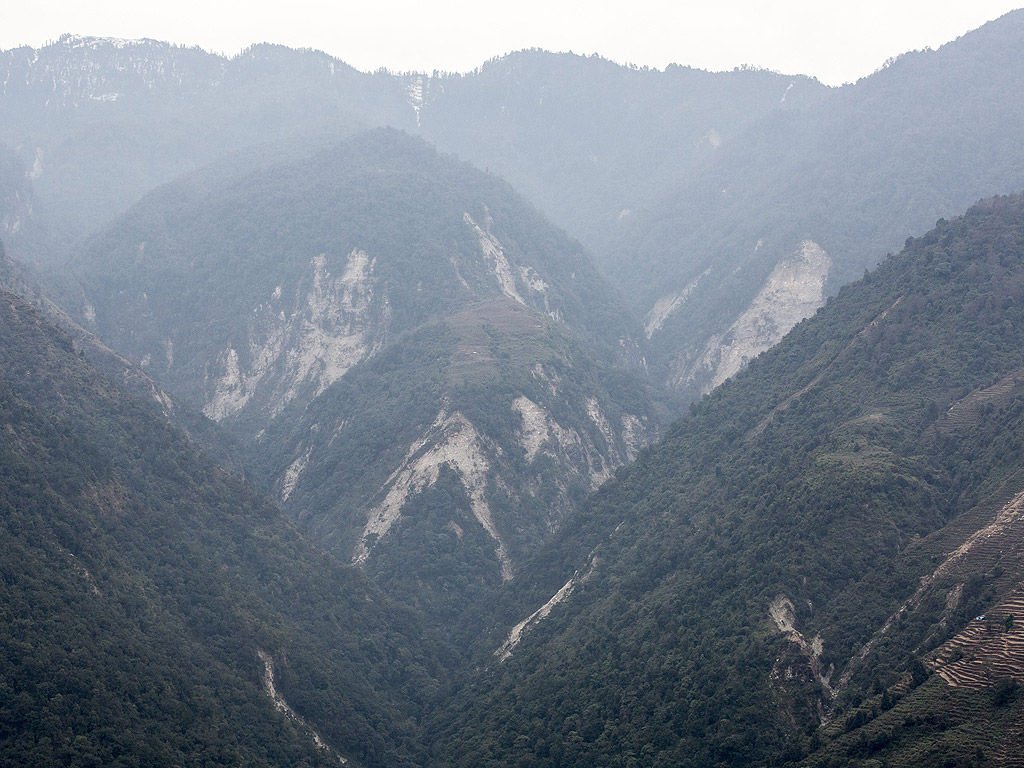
[835,41]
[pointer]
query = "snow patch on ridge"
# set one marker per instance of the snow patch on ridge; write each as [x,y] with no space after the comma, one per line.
[451,441]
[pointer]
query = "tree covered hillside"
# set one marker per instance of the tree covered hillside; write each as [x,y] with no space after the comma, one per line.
[378,322]
[594,143]
[808,197]
[741,575]
[99,122]
[725,206]
[140,586]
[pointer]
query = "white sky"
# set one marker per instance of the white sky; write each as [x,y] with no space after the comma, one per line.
[836,41]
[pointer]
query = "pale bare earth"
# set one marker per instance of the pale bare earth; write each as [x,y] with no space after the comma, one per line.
[600,469]
[783,614]
[634,435]
[540,429]
[794,291]
[451,441]
[494,254]
[282,705]
[292,474]
[330,330]
[516,635]
[534,432]
[541,434]
[666,305]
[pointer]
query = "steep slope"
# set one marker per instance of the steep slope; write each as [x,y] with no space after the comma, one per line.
[593,143]
[22,281]
[725,206]
[99,121]
[588,140]
[778,561]
[144,591]
[371,318]
[16,196]
[809,196]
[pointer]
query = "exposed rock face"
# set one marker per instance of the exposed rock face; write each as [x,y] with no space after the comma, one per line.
[668,304]
[794,291]
[514,280]
[410,369]
[453,441]
[495,256]
[515,636]
[540,434]
[804,656]
[336,322]
[536,430]
[293,473]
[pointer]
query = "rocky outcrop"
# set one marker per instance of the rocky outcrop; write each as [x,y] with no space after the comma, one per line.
[794,291]
[335,322]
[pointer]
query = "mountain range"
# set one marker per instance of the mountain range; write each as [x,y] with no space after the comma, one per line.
[152,601]
[373,320]
[748,196]
[321,444]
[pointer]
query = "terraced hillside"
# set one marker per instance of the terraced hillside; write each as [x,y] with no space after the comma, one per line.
[990,650]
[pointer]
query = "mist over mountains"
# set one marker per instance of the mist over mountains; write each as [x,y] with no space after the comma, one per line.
[491,419]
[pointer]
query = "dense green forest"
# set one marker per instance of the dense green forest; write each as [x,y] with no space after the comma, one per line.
[820,475]
[292,401]
[139,581]
[770,584]
[342,315]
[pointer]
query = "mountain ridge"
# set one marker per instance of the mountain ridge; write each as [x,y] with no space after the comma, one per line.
[368,318]
[754,588]
[140,583]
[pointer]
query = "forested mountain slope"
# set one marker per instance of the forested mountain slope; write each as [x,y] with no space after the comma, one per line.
[98,122]
[725,206]
[810,196]
[583,137]
[376,322]
[593,143]
[796,551]
[145,593]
